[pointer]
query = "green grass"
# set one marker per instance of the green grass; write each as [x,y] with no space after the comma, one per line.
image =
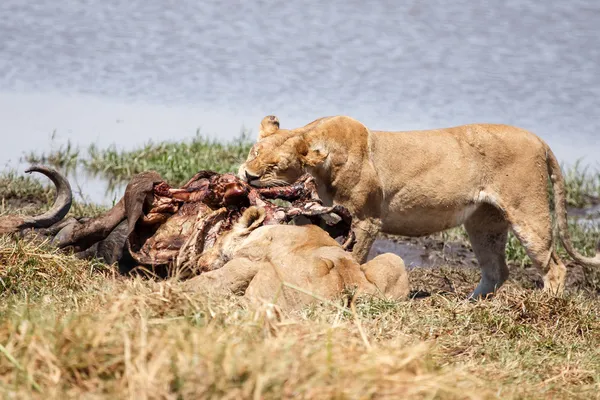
[583,185]
[23,188]
[65,158]
[26,194]
[584,237]
[177,162]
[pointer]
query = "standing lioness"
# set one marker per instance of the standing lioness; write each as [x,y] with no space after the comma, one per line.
[491,178]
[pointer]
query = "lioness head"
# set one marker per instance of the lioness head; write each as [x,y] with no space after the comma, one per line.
[279,159]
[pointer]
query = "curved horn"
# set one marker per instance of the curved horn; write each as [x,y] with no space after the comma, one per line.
[62,202]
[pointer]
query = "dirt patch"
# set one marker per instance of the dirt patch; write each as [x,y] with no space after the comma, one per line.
[425,252]
[26,206]
[592,211]
[436,266]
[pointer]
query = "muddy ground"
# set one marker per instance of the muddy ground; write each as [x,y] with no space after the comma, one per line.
[436,266]
[442,266]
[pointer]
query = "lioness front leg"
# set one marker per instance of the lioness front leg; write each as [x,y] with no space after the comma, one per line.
[233,277]
[366,232]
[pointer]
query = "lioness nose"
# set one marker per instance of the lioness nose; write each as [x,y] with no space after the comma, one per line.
[250,177]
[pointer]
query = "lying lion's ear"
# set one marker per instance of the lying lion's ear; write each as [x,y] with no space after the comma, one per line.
[251,219]
[268,126]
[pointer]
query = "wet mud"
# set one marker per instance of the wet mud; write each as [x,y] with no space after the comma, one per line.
[437,266]
[425,252]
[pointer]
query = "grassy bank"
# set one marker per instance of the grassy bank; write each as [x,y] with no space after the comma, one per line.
[175,161]
[178,161]
[25,194]
[73,329]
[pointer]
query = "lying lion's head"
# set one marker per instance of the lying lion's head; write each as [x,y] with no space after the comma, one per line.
[279,159]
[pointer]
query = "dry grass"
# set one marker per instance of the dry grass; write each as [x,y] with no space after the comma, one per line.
[73,329]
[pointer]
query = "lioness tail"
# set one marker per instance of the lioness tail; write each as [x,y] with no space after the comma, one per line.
[560,208]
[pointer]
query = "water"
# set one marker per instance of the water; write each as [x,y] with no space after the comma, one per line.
[127,72]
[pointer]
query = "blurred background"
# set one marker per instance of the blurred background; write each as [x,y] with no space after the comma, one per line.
[126,72]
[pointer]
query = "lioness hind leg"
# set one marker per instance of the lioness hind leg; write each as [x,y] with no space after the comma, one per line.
[488,231]
[535,234]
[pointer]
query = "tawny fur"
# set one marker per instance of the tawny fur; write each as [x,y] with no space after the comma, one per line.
[260,261]
[489,178]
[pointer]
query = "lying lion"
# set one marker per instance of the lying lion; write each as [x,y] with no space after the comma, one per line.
[217,226]
[293,266]
[489,178]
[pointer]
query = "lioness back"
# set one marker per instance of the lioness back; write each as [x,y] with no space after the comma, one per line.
[452,166]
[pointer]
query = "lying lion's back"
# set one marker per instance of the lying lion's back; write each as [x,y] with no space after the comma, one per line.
[276,238]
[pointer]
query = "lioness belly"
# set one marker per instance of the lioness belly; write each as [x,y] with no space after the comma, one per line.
[419,221]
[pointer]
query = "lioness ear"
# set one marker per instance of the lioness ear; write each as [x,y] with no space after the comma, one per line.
[268,126]
[310,157]
[314,158]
